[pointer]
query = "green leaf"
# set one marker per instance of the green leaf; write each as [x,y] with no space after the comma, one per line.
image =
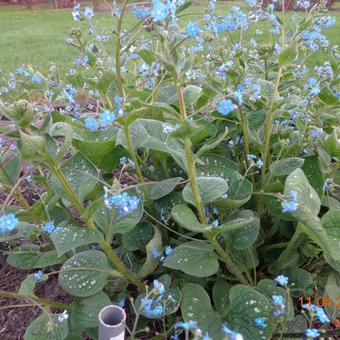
[85,273]
[220,295]
[287,56]
[68,238]
[211,188]
[331,223]
[42,328]
[307,198]
[98,146]
[244,237]
[186,218]
[9,170]
[191,94]
[24,231]
[138,237]
[222,162]
[81,175]
[161,189]
[332,292]
[195,305]
[285,166]
[298,325]
[312,170]
[86,310]
[328,96]
[27,286]
[195,258]
[245,305]
[23,259]
[31,147]
[151,263]
[212,143]
[49,258]
[302,280]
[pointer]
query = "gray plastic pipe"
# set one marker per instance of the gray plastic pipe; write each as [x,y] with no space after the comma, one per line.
[111,323]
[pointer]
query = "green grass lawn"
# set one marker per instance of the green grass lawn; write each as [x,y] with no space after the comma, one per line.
[37,36]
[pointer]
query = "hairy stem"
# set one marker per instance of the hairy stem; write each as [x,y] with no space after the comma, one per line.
[12,295]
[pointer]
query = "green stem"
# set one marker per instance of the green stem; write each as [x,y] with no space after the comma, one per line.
[118,48]
[120,265]
[231,266]
[268,127]
[244,123]
[12,295]
[189,155]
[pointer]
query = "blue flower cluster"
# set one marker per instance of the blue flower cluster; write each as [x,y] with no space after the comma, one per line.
[123,202]
[77,15]
[225,107]
[8,223]
[282,280]
[318,312]
[257,161]
[49,227]
[280,307]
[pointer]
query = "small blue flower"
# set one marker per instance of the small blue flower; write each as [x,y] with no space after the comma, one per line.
[155,254]
[76,12]
[107,117]
[225,107]
[314,133]
[8,223]
[193,29]
[260,322]
[312,333]
[159,287]
[49,227]
[39,275]
[206,337]
[231,334]
[291,205]
[140,13]
[91,124]
[320,313]
[259,163]
[282,280]
[159,11]
[36,79]
[88,13]
[187,325]
[216,223]
[278,299]
[327,184]
[251,157]
[62,317]
[121,303]
[168,250]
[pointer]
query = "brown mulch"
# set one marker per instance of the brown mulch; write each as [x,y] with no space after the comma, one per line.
[14,321]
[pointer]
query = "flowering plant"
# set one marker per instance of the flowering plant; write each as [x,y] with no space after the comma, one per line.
[195,156]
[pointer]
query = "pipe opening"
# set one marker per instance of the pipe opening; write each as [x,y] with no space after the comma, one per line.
[112,316]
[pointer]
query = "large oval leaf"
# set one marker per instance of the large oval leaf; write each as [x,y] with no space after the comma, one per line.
[85,273]
[195,258]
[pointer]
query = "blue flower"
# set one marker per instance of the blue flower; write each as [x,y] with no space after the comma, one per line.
[291,205]
[36,79]
[88,13]
[259,163]
[327,184]
[312,333]
[314,133]
[49,227]
[140,13]
[159,11]
[216,223]
[192,29]
[62,317]
[121,303]
[260,322]
[107,117]
[320,313]
[206,337]
[8,223]
[124,202]
[187,325]
[231,334]
[168,250]
[159,287]
[91,124]
[282,280]
[39,275]
[155,253]
[23,72]
[225,107]
[251,157]
[278,299]
[76,12]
